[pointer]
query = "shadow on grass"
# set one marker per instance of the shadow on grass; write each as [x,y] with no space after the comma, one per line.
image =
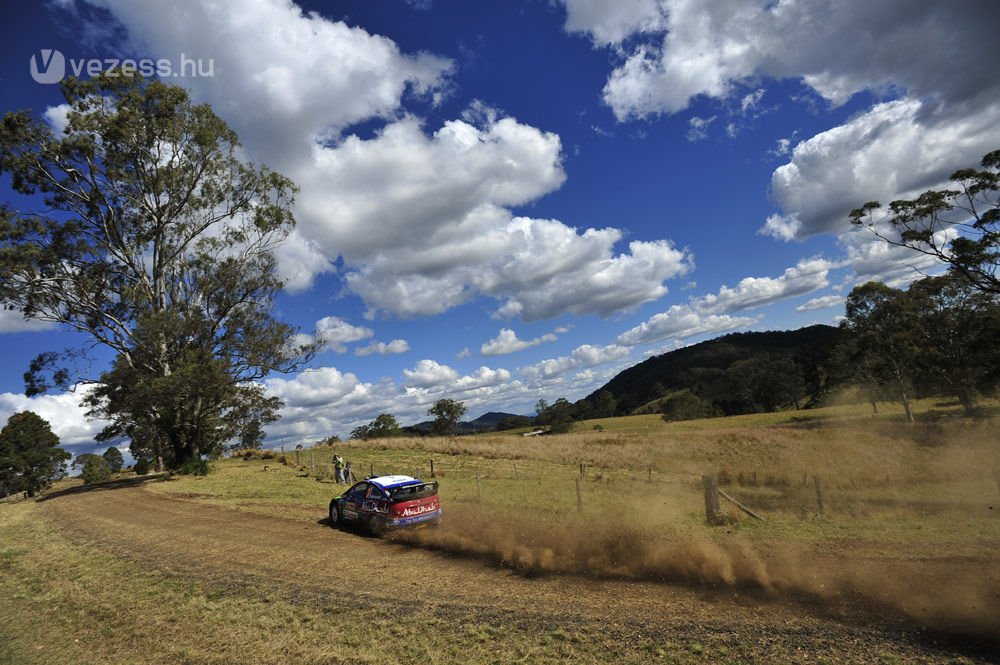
[120,483]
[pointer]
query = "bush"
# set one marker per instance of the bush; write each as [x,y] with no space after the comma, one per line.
[267,454]
[685,405]
[95,470]
[193,467]
[141,467]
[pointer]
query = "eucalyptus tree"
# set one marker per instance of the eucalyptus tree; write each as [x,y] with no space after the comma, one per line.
[153,237]
[883,323]
[959,226]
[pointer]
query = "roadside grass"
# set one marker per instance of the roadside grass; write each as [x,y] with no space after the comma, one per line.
[884,484]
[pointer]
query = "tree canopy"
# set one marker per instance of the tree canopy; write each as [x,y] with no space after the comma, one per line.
[114,458]
[157,241]
[959,226]
[447,413]
[385,425]
[30,459]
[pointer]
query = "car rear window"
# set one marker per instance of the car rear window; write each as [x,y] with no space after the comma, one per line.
[411,492]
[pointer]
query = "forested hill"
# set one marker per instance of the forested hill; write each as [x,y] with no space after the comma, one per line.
[737,373]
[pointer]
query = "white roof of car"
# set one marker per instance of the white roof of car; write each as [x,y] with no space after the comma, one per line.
[390,481]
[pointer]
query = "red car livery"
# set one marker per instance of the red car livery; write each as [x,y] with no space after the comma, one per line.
[387,502]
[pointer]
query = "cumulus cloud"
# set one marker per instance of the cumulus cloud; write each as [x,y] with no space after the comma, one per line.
[420,216]
[711,313]
[612,22]
[332,334]
[709,48]
[806,276]
[895,150]
[429,373]
[680,322]
[383,348]
[507,341]
[586,355]
[823,302]
[315,387]
[942,115]
[62,411]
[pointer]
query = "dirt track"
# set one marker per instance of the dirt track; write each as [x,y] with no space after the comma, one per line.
[311,563]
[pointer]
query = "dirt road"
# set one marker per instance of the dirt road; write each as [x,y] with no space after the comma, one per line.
[314,564]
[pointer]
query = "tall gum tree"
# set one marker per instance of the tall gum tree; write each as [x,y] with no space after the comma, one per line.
[156,240]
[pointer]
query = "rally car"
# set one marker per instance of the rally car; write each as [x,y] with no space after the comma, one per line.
[385,503]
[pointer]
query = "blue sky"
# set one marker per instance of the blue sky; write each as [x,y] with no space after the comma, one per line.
[507,201]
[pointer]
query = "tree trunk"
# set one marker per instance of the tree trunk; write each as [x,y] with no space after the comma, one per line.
[965,398]
[902,394]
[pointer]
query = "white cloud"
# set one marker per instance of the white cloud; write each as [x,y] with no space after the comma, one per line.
[506,341]
[698,128]
[12,321]
[823,302]
[806,276]
[895,150]
[332,333]
[612,22]
[711,313]
[710,47]
[383,349]
[420,217]
[875,260]
[680,322]
[318,387]
[62,411]
[429,373]
[586,355]
[943,114]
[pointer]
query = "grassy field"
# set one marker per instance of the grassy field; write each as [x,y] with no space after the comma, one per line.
[911,525]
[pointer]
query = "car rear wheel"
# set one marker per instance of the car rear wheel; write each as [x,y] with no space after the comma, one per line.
[375,526]
[334,514]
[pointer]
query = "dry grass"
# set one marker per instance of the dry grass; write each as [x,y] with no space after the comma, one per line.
[904,504]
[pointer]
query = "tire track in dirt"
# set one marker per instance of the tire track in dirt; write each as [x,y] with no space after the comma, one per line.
[314,564]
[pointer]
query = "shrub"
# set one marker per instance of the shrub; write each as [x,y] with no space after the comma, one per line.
[685,405]
[95,470]
[141,467]
[267,454]
[193,467]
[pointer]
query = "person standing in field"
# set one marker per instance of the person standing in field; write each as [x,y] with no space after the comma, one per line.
[347,473]
[338,468]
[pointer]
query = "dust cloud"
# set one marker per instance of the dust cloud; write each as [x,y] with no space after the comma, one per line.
[959,597]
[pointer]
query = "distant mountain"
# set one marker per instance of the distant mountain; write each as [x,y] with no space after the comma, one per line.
[705,368]
[484,423]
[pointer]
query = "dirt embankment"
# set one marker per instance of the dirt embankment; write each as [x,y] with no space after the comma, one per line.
[758,608]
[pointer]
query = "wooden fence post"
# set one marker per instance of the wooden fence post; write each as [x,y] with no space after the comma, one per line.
[371,470]
[298,458]
[329,474]
[479,487]
[819,493]
[312,460]
[713,510]
[649,472]
[516,477]
[579,497]
[583,470]
[432,468]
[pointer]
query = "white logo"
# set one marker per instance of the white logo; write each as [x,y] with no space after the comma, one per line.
[53,67]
